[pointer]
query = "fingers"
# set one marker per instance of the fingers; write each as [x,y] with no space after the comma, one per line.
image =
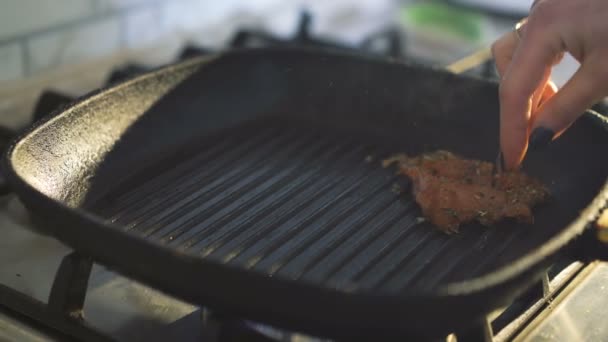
[503,49]
[540,92]
[527,71]
[583,90]
[548,92]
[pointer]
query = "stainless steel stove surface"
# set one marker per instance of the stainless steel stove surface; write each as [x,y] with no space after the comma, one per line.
[50,293]
[114,304]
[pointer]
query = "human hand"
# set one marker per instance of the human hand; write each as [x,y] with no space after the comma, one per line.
[532,111]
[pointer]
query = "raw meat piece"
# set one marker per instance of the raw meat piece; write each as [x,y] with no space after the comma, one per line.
[452,190]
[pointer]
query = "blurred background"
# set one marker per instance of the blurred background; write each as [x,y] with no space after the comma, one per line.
[73,45]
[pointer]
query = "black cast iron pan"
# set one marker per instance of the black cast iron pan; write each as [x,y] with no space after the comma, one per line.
[250,182]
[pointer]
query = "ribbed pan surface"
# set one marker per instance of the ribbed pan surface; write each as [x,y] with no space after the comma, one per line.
[304,203]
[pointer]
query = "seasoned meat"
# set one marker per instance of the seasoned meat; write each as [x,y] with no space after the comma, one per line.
[452,190]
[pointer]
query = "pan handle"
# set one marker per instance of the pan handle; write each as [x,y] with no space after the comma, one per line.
[601,234]
[602,226]
[475,59]
[593,243]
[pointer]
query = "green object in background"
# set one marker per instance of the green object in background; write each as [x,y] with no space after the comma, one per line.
[442,17]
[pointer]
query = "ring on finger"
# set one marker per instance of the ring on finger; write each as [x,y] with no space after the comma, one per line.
[518,27]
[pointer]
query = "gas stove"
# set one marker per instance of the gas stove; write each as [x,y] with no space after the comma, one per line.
[49,292]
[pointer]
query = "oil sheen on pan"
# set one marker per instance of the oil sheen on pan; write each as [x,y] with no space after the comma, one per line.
[452,190]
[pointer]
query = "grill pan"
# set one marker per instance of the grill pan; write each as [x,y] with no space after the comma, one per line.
[250,182]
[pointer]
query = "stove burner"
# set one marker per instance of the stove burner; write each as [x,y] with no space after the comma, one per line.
[49,101]
[125,72]
[193,51]
[385,43]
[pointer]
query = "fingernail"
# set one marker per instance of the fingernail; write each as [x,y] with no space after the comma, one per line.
[540,138]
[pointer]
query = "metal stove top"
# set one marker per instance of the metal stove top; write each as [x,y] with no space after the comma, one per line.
[50,293]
